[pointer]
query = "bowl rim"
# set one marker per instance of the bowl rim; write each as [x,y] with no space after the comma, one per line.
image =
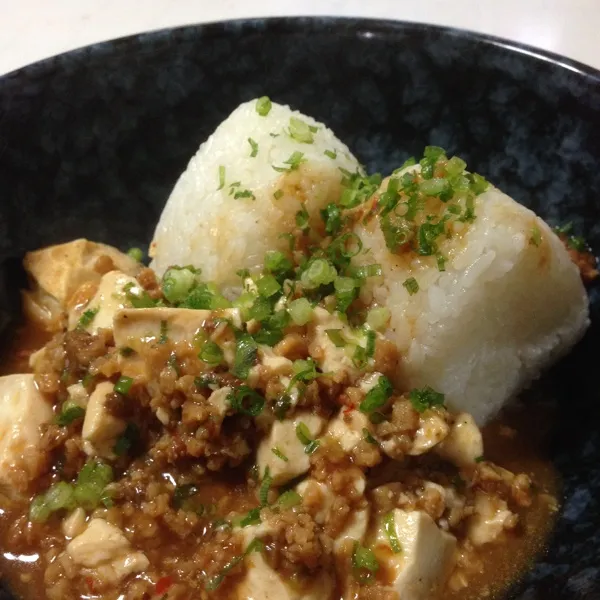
[362,26]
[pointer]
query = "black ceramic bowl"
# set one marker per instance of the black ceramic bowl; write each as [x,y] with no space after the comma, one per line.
[92,141]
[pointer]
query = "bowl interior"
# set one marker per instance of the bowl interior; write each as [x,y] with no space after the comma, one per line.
[91,143]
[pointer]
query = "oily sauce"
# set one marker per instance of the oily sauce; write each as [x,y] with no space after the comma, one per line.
[515,441]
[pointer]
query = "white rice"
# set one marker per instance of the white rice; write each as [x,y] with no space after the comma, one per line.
[206,227]
[503,310]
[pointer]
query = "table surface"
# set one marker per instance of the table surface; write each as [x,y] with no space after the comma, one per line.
[31,30]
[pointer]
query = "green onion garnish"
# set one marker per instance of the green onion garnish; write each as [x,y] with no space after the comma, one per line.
[245,355]
[389,525]
[263,106]
[441,262]
[247,401]
[70,411]
[221,177]
[337,338]
[163,338]
[136,254]
[277,263]
[87,317]
[378,318]
[364,558]
[279,454]
[123,385]
[330,154]
[252,518]
[211,354]
[277,194]
[289,499]
[318,272]
[267,286]
[369,437]
[177,283]
[425,398]
[301,131]
[535,237]
[254,147]
[263,492]
[126,440]
[302,218]
[301,311]
[374,270]
[214,582]
[377,396]
[332,217]
[293,162]
[411,285]
[303,434]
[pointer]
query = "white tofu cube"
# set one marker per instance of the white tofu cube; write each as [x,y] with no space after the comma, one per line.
[100,429]
[60,270]
[432,430]
[108,299]
[490,520]
[283,438]
[23,409]
[104,548]
[347,428]
[421,568]
[464,443]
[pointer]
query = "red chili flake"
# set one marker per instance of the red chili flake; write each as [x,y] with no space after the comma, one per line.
[348,409]
[90,583]
[163,584]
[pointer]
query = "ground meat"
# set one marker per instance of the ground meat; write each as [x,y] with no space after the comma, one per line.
[148,280]
[82,348]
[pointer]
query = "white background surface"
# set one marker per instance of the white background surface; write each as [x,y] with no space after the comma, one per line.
[34,29]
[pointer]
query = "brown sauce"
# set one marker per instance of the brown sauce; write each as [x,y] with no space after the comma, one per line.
[515,441]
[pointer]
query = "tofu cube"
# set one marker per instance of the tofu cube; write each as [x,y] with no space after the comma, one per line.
[421,568]
[103,548]
[464,443]
[347,428]
[23,409]
[100,429]
[283,438]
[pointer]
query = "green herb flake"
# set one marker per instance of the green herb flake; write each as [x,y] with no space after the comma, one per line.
[289,499]
[441,262]
[70,411]
[211,354]
[87,318]
[303,434]
[332,154]
[279,454]
[221,177]
[163,333]
[425,398]
[246,401]
[411,285]
[364,558]
[479,459]
[246,352]
[368,437]
[253,147]
[301,131]
[265,486]
[263,106]
[535,236]
[389,526]
[293,162]
[302,218]
[136,254]
[123,385]
[127,440]
[252,518]
[277,194]
[377,396]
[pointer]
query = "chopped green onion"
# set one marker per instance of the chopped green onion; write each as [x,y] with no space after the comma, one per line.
[346,291]
[364,558]
[260,309]
[163,338]
[267,286]
[279,454]
[211,354]
[369,437]
[304,370]
[332,217]
[254,147]
[277,194]
[374,270]
[205,297]
[294,161]
[425,398]
[301,131]
[263,492]
[245,355]
[126,440]
[478,184]
[277,263]
[441,262]
[289,499]
[468,215]
[252,518]
[409,162]
[281,406]
[87,317]
[213,583]
[377,396]
[370,347]
[378,318]
[330,154]
[536,236]
[359,358]
[59,496]
[246,401]
[243,194]
[70,411]
[396,232]
[263,106]
[123,385]
[302,218]
[434,186]
[455,166]
[91,483]
[221,177]
[136,254]
[301,311]
[479,459]
[389,526]
[411,285]
[337,338]
[319,272]
[303,434]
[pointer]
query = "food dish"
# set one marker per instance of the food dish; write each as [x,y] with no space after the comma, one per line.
[88,215]
[260,434]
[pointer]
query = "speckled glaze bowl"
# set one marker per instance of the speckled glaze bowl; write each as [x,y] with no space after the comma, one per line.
[92,141]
